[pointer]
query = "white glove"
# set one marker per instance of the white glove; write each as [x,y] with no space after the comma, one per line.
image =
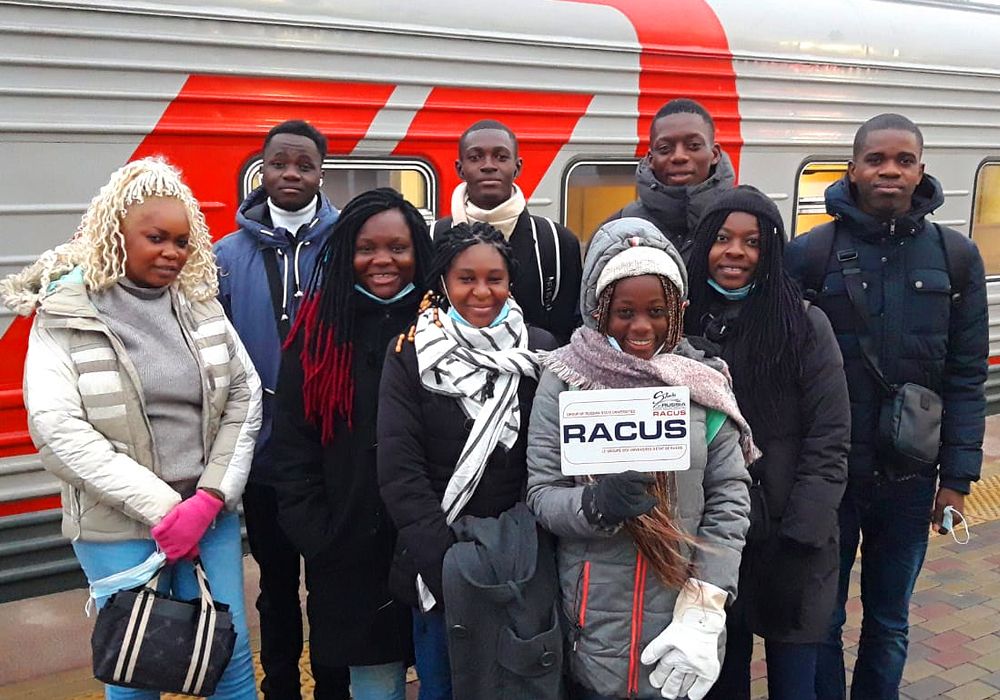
[686,654]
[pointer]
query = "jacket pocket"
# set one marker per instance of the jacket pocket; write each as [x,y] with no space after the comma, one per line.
[537,656]
[932,291]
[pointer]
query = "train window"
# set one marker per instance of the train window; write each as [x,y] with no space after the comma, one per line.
[810,207]
[344,178]
[592,191]
[986,216]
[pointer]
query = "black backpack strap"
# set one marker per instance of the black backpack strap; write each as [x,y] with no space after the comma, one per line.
[818,250]
[855,286]
[546,239]
[277,287]
[956,259]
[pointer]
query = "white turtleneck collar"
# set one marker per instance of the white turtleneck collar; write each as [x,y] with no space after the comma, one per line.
[291,221]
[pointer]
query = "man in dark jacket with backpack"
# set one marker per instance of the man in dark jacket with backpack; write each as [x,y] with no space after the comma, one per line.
[907,300]
[546,283]
[263,269]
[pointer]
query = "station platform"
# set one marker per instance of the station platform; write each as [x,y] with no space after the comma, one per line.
[954,621]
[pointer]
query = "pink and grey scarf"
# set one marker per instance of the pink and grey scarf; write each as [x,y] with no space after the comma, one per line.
[589,362]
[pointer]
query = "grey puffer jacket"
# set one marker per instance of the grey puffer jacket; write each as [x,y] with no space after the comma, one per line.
[603,577]
[676,209]
[598,569]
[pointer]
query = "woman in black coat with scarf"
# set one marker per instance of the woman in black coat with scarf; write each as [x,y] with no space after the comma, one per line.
[455,400]
[365,291]
[789,381]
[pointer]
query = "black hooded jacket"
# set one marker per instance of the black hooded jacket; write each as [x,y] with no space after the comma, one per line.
[921,336]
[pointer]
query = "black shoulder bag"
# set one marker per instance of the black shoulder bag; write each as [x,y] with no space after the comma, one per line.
[909,422]
[145,639]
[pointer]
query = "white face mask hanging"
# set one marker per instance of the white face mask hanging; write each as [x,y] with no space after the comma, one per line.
[948,523]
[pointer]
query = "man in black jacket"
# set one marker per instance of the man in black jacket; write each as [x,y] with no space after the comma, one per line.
[546,283]
[926,322]
[683,172]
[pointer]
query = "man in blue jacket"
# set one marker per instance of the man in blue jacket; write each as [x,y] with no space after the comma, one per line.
[925,317]
[263,270]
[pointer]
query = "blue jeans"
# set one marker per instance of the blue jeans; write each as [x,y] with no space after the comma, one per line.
[379,682]
[430,647]
[892,520]
[222,557]
[791,668]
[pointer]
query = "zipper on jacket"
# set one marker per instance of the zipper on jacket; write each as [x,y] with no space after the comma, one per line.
[75,500]
[638,603]
[582,591]
[892,227]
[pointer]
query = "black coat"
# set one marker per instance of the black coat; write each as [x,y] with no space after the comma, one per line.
[564,316]
[329,504]
[420,437]
[919,334]
[790,565]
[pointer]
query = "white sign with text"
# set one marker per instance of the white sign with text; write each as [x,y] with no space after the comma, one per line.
[606,431]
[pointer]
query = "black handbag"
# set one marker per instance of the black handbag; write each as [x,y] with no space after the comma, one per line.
[909,422]
[145,639]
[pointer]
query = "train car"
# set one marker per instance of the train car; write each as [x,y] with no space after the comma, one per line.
[88,85]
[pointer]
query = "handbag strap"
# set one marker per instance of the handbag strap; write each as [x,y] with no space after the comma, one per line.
[204,635]
[135,633]
[855,286]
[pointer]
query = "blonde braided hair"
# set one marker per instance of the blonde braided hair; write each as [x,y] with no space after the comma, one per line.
[98,246]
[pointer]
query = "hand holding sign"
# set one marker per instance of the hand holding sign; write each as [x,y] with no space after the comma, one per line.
[617,497]
[609,431]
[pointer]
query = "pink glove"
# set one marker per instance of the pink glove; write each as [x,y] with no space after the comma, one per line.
[178,533]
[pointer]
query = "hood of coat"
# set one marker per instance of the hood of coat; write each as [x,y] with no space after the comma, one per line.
[680,206]
[253,212]
[841,204]
[611,239]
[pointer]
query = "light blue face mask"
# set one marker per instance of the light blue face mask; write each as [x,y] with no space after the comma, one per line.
[617,346]
[391,300]
[138,575]
[501,317]
[731,294]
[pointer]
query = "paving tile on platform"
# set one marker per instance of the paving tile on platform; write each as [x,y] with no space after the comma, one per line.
[953,657]
[963,674]
[927,688]
[972,691]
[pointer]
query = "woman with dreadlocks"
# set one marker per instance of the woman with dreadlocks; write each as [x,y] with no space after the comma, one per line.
[453,417]
[363,294]
[647,562]
[141,398]
[789,381]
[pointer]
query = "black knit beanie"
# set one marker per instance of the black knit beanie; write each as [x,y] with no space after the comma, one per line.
[749,199]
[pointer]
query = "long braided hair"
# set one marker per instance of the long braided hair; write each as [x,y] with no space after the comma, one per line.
[325,320]
[772,330]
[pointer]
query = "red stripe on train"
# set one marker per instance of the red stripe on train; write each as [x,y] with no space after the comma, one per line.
[685,54]
[29,505]
[217,123]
